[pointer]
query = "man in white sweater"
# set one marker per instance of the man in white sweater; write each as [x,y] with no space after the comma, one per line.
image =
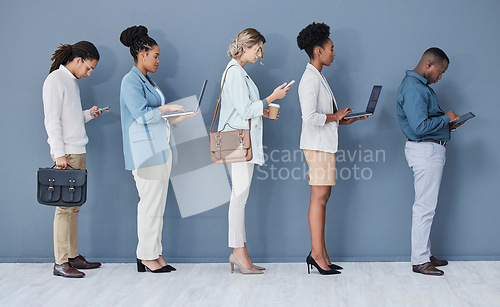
[65,124]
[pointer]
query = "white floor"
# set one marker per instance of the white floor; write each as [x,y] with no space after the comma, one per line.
[475,283]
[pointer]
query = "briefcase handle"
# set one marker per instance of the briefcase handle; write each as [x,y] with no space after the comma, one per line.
[68,165]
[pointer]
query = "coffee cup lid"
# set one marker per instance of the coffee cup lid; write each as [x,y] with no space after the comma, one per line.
[274,105]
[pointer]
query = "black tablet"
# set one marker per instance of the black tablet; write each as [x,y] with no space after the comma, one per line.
[463,118]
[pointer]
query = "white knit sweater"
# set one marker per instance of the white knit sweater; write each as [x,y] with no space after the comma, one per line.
[64,118]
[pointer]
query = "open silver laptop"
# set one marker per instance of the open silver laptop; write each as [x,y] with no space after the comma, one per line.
[372,103]
[179,113]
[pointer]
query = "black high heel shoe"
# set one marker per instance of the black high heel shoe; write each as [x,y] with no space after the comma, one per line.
[335,267]
[141,267]
[169,267]
[311,262]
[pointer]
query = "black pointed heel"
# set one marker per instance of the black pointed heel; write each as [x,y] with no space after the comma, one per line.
[169,267]
[141,267]
[311,262]
[335,267]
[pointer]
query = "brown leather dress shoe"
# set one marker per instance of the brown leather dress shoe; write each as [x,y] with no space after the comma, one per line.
[427,268]
[80,263]
[66,270]
[438,262]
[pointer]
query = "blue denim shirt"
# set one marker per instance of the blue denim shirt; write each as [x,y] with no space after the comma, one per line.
[419,114]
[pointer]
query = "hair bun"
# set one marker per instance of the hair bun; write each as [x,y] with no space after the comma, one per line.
[312,35]
[131,34]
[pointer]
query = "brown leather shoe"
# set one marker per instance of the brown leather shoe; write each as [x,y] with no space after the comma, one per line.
[80,263]
[427,268]
[438,262]
[66,270]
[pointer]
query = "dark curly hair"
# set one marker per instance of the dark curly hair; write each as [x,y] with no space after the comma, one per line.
[66,53]
[315,34]
[137,38]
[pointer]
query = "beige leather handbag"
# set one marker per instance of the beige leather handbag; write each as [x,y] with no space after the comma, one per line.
[229,146]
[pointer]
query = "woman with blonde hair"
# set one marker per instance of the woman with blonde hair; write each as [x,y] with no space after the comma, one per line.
[241,102]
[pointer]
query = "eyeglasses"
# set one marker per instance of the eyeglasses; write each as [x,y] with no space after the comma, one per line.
[90,68]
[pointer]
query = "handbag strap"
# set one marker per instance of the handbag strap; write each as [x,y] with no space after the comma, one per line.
[218,102]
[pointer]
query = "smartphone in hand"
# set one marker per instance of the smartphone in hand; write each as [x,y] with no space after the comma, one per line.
[289,84]
[100,110]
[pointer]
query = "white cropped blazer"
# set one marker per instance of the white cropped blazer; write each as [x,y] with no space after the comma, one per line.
[316,100]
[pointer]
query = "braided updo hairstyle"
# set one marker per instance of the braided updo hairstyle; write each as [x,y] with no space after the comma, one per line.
[315,34]
[247,37]
[137,38]
[66,53]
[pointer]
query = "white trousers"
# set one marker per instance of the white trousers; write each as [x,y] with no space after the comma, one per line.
[152,185]
[241,177]
[427,161]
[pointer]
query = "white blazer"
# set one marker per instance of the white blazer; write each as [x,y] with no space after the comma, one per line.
[316,100]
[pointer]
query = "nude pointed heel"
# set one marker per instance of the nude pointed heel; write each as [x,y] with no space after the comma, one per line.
[243,270]
[259,267]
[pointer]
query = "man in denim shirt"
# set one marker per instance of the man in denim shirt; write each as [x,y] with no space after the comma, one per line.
[427,128]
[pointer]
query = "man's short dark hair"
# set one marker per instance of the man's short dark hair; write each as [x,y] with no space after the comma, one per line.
[438,53]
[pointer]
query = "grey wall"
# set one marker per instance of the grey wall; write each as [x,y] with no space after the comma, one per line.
[369,214]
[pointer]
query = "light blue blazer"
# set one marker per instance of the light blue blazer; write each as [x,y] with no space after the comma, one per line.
[144,131]
[240,101]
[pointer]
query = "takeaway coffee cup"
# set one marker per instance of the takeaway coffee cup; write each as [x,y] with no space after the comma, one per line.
[273,110]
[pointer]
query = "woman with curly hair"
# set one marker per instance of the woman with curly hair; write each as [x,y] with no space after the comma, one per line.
[319,138]
[148,145]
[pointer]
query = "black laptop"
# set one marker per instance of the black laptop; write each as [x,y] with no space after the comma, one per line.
[372,103]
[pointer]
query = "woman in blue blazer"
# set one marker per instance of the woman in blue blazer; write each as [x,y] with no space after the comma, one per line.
[241,102]
[148,145]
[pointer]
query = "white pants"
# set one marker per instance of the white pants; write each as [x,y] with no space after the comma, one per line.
[241,177]
[427,161]
[152,185]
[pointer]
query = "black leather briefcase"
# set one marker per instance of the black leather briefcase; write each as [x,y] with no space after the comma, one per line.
[61,187]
